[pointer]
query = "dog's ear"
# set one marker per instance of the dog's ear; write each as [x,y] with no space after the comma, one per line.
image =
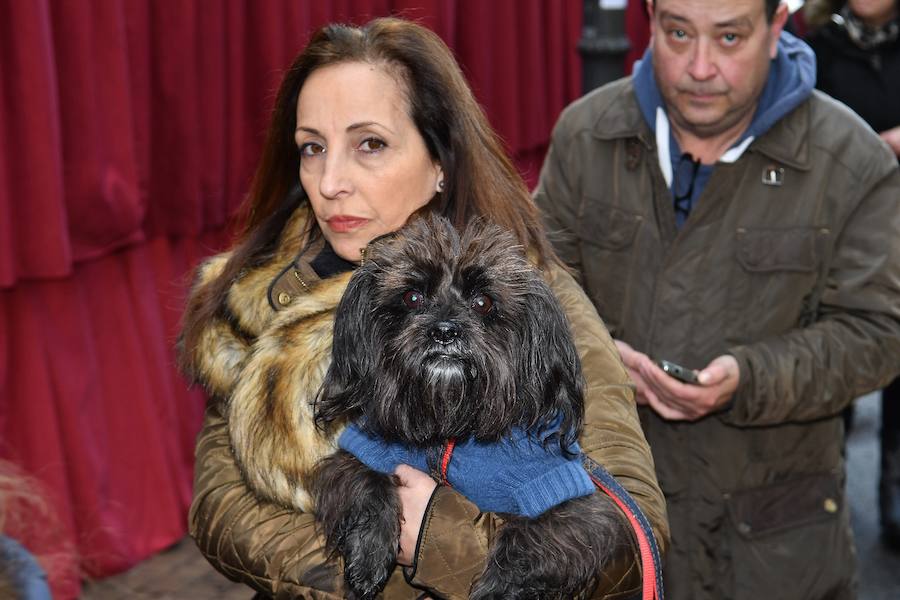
[348,381]
[550,376]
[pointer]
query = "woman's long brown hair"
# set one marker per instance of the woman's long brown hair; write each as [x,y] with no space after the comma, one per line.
[480,180]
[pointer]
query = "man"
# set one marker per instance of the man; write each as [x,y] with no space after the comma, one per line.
[724,216]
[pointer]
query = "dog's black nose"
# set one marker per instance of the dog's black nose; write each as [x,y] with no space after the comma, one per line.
[444,332]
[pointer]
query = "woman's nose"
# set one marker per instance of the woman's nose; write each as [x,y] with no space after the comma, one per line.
[335,181]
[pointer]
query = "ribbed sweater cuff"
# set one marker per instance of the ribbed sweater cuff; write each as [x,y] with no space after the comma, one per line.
[546,490]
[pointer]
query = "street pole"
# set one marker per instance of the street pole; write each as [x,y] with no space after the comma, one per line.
[603,43]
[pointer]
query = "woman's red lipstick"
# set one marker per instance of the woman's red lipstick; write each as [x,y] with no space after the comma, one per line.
[344,224]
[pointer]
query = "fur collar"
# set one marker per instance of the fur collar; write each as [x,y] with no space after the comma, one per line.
[267,365]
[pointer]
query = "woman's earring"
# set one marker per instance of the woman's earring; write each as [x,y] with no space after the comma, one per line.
[440,186]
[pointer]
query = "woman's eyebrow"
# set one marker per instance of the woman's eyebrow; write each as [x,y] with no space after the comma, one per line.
[353,127]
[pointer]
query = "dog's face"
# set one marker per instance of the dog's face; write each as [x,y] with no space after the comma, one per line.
[445,336]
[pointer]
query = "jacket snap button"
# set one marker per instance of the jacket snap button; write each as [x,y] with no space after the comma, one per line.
[744,528]
[830,505]
[284,298]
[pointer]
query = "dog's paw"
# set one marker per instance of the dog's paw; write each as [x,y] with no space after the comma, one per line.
[369,549]
[358,511]
[558,556]
[513,569]
[494,584]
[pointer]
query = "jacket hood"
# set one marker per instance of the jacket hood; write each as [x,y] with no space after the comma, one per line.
[791,79]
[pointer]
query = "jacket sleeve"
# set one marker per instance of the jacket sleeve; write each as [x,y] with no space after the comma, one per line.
[853,347]
[272,549]
[454,527]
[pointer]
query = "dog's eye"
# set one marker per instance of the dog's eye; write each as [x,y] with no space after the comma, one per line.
[413,299]
[482,304]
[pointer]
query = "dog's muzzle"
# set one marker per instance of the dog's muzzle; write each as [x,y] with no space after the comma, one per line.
[444,332]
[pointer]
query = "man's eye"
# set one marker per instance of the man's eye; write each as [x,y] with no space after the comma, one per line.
[372,145]
[311,149]
[730,39]
[679,34]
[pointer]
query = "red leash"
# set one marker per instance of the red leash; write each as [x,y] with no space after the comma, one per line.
[445,460]
[649,591]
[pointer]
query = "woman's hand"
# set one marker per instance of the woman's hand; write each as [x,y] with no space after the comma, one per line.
[892,137]
[415,491]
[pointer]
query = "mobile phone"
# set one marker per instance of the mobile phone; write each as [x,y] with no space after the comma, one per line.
[678,372]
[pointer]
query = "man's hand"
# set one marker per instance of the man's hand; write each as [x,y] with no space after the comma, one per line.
[634,362]
[677,401]
[415,491]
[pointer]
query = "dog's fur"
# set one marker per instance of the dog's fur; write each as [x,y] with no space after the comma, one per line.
[423,372]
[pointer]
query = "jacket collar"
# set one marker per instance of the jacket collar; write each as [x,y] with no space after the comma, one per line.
[787,142]
[621,116]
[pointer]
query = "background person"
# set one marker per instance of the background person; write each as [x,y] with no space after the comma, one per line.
[380,125]
[723,215]
[858,62]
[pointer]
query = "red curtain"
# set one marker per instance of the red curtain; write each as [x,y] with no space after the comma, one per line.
[128,133]
[637,28]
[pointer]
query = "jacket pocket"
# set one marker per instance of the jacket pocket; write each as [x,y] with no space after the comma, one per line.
[792,536]
[773,284]
[614,229]
[607,235]
[770,250]
[769,509]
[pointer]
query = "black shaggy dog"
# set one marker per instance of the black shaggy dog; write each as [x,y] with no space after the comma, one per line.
[445,336]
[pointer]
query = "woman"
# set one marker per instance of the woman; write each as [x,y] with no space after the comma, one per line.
[858,62]
[381,126]
[857,45]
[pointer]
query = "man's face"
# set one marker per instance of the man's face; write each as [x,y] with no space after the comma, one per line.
[711,59]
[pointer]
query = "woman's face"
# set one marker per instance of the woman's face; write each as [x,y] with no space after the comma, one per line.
[874,12]
[363,163]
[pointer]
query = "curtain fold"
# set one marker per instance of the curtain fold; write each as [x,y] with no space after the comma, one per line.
[129,130]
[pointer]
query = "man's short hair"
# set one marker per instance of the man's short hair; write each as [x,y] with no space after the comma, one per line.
[771,7]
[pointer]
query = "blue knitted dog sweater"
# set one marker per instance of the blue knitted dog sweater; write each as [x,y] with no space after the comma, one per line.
[515,475]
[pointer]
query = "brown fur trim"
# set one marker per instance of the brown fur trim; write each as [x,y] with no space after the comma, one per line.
[224,345]
[270,415]
[267,367]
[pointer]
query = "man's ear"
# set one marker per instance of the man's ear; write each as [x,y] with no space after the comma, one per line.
[652,20]
[779,20]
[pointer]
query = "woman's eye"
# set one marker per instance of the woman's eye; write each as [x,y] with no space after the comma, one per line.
[413,299]
[311,149]
[482,304]
[372,145]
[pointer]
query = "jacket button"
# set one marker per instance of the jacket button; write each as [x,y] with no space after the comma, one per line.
[830,505]
[284,298]
[744,528]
